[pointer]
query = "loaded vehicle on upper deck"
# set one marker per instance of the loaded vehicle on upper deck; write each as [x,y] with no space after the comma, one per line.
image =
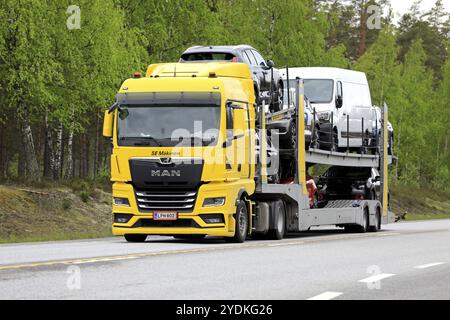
[376,131]
[343,103]
[267,80]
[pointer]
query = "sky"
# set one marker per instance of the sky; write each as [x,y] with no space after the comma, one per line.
[402,6]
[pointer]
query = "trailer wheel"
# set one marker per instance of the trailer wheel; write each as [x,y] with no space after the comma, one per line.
[366,223]
[135,237]
[377,226]
[279,223]
[241,224]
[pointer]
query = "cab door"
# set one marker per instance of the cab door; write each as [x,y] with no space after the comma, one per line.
[237,155]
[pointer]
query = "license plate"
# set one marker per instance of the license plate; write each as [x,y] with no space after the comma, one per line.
[165,216]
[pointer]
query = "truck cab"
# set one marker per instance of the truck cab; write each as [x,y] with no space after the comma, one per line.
[183,159]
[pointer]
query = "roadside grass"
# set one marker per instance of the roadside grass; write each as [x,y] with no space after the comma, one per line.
[55,237]
[419,217]
[414,203]
[29,214]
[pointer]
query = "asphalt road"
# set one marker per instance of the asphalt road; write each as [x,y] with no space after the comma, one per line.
[405,261]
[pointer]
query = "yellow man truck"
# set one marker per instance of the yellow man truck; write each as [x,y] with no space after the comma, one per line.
[185,160]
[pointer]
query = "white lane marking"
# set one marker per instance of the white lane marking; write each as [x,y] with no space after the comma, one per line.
[285,244]
[377,277]
[104,260]
[326,296]
[429,265]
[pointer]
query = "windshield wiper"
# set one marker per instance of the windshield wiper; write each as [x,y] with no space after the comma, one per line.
[144,141]
[193,139]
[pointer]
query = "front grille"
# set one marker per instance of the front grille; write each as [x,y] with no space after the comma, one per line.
[180,223]
[167,200]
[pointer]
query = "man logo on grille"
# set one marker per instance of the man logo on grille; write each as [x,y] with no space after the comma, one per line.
[166,173]
[166,160]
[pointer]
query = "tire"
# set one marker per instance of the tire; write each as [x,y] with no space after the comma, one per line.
[352,228]
[257,97]
[189,236]
[241,224]
[279,223]
[366,223]
[335,146]
[377,226]
[327,142]
[135,237]
[290,140]
[277,103]
[315,143]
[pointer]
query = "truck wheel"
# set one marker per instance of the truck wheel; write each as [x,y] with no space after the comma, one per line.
[377,226]
[366,223]
[135,237]
[241,224]
[279,215]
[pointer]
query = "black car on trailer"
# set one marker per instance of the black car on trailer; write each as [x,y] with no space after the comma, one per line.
[267,79]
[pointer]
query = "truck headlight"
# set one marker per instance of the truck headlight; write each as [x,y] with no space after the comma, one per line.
[123,202]
[214,202]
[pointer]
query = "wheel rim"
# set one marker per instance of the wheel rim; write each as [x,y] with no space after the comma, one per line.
[294,136]
[280,224]
[280,95]
[377,221]
[242,222]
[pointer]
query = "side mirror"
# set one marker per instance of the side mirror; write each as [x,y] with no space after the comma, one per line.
[108,121]
[270,64]
[339,102]
[377,179]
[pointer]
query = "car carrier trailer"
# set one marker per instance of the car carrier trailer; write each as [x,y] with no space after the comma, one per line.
[354,215]
[162,189]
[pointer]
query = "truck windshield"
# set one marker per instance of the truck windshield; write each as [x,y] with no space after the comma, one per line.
[316,90]
[168,125]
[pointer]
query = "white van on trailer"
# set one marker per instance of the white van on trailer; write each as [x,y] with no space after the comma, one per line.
[342,101]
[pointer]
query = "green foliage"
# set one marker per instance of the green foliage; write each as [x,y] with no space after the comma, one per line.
[69,76]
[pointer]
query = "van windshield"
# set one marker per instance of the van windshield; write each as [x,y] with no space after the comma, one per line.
[319,90]
[316,90]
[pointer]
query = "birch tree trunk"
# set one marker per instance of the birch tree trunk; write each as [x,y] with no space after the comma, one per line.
[97,148]
[58,153]
[32,166]
[48,151]
[69,168]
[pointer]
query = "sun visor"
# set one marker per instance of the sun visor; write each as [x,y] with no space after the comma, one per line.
[133,98]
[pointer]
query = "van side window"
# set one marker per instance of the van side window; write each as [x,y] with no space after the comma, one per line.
[340,93]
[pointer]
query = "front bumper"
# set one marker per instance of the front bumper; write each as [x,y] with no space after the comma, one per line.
[188,222]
